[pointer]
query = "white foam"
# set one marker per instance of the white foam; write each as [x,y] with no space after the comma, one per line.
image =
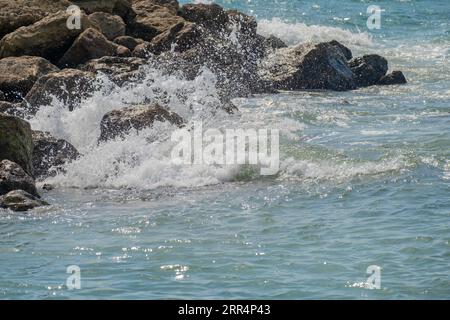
[298,32]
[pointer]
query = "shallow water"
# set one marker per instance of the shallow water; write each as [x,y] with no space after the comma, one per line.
[364,180]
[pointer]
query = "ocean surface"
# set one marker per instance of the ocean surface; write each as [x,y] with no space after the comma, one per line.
[364,181]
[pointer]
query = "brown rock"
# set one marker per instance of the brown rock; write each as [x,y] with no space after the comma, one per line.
[109,25]
[68,85]
[18,74]
[118,123]
[180,37]
[128,42]
[210,16]
[91,44]
[48,38]
[121,8]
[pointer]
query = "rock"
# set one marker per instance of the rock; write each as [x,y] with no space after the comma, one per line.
[91,44]
[15,141]
[245,24]
[51,154]
[346,51]
[128,42]
[368,69]
[68,85]
[180,37]
[119,70]
[308,66]
[20,13]
[18,74]
[396,77]
[20,201]
[210,16]
[13,177]
[2,96]
[48,38]
[152,18]
[273,42]
[11,108]
[118,123]
[121,8]
[109,25]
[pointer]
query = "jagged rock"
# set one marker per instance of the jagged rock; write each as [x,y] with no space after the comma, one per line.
[15,141]
[121,8]
[368,69]
[18,74]
[51,154]
[273,42]
[11,108]
[396,77]
[119,70]
[20,201]
[118,123]
[91,44]
[153,18]
[210,16]
[180,37]
[68,85]
[109,25]
[20,13]
[48,38]
[308,66]
[128,42]
[2,96]
[13,177]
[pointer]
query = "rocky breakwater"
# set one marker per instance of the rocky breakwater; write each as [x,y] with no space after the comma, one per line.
[41,58]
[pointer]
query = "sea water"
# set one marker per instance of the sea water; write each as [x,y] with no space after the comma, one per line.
[364,182]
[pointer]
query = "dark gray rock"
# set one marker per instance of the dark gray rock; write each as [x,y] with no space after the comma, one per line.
[20,201]
[308,66]
[396,77]
[368,69]
[13,177]
[51,154]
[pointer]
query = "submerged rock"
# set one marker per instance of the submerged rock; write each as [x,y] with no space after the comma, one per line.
[111,26]
[68,85]
[51,154]
[48,38]
[13,177]
[396,77]
[18,74]
[16,143]
[119,123]
[91,44]
[309,66]
[368,69]
[19,200]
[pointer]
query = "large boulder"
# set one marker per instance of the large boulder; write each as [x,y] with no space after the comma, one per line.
[128,42]
[67,85]
[396,77]
[309,66]
[368,69]
[16,143]
[153,18]
[48,38]
[20,201]
[18,74]
[91,44]
[51,154]
[119,70]
[119,123]
[121,8]
[13,177]
[19,13]
[111,26]
[210,16]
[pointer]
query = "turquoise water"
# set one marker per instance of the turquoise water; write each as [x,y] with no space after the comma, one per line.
[364,180]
